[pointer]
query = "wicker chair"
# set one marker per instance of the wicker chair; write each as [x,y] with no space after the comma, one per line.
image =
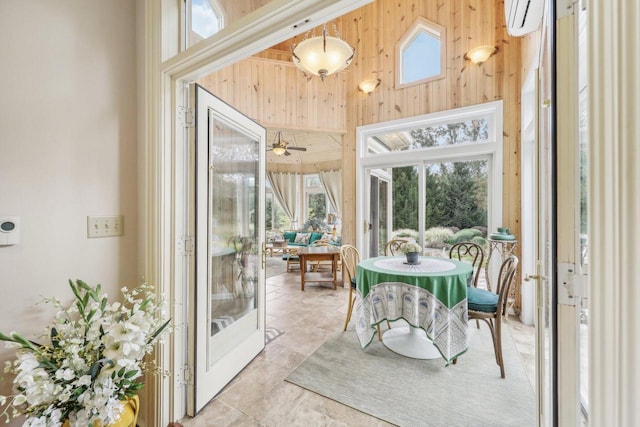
[467,251]
[292,259]
[350,257]
[491,308]
[392,247]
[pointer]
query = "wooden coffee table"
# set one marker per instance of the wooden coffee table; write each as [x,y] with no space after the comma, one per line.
[318,253]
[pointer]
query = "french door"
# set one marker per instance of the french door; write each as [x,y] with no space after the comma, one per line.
[380,212]
[229,296]
[562,314]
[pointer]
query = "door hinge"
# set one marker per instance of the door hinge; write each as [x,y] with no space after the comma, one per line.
[568,7]
[185,117]
[571,286]
[186,377]
[185,246]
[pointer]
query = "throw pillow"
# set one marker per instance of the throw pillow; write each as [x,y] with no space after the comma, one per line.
[302,238]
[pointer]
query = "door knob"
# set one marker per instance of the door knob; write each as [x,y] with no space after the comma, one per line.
[531,277]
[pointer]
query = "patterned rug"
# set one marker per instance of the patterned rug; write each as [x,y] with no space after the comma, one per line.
[412,392]
[272,334]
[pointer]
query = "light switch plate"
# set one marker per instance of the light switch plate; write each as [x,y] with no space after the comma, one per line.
[105,226]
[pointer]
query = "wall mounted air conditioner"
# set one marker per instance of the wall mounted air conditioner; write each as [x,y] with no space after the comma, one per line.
[523,16]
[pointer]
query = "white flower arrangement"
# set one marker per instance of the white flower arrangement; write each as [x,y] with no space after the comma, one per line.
[409,247]
[92,362]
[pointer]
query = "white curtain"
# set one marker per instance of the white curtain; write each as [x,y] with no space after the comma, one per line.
[285,188]
[332,183]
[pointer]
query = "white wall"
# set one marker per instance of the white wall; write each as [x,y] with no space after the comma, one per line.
[67,150]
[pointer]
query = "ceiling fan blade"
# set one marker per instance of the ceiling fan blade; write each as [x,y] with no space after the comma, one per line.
[297,148]
[287,153]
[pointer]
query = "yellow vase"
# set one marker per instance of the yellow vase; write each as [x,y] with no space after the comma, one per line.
[128,417]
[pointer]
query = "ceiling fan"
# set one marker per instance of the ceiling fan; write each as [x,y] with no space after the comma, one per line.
[280,147]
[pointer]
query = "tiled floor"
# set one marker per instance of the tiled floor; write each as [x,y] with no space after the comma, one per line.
[259,396]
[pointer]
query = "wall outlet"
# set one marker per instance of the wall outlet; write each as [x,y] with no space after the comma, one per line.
[105,226]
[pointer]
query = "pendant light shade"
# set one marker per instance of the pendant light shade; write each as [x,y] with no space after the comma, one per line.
[322,55]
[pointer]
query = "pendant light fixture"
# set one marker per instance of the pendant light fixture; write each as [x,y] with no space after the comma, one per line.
[322,55]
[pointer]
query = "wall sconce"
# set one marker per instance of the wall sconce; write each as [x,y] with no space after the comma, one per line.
[480,54]
[368,86]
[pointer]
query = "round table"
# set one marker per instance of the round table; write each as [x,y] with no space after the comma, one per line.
[430,297]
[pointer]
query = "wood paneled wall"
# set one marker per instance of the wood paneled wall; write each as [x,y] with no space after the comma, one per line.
[271,90]
[276,94]
[374,31]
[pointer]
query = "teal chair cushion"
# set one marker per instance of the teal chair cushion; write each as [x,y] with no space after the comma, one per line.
[293,257]
[289,236]
[481,300]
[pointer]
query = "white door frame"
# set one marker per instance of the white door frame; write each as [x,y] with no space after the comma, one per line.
[529,193]
[164,169]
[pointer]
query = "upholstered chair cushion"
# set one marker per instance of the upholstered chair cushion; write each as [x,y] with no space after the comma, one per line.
[481,300]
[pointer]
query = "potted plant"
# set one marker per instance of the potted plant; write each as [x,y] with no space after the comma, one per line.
[89,369]
[314,224]
[412,251]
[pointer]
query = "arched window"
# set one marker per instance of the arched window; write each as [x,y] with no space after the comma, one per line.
[420,54]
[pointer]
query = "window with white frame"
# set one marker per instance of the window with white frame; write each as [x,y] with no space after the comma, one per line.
[420,53]
[275,217]
[317,209]
[446,173]
[204,19]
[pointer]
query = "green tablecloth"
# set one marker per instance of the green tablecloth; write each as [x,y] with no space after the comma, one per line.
[431,296]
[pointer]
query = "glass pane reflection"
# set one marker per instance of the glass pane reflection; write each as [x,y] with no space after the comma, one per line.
[233,265]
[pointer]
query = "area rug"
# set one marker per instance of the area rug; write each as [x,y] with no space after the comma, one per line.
[271,334]
[410,392]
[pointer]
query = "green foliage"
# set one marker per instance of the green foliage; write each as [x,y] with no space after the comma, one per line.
[451,133]
[405,198]
[479,240]
[465,235]
[474,231]
[405,232]
[275,218]
[317,204]
[436,237]
[456,195]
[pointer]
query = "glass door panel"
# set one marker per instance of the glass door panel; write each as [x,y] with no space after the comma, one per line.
[374,218]
[545,296]
[583,237]
[379,213]
[229,293]
[455,204]
[405,202]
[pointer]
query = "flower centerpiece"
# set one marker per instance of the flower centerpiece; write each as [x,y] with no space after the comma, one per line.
[91,362]
[412,251]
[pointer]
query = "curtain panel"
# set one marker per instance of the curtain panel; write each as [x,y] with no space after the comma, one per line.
[332,183]
[285,188]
